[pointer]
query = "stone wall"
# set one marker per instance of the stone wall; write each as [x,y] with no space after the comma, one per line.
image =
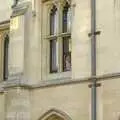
[74,100]
[28,56]
[5,10]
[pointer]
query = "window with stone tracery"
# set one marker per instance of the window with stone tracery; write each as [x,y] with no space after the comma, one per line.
[53,41]
[59,37]
[66,39]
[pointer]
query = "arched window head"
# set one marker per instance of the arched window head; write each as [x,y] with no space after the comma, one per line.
[5,67]
[54,117]
[53,20]
[66,18]
[54,114]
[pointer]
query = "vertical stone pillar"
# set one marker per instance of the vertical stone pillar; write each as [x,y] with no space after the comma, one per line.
[1,57]
[19,38]
[2,107]
[16,46]
[17,97]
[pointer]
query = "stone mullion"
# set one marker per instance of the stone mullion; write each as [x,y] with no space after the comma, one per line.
[45,42]
[60,38]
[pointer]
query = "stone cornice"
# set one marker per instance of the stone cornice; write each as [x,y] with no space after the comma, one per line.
[4,25]
[52,83]
[20,9]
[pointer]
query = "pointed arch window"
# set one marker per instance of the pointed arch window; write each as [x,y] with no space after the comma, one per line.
[55,114]
[59,37]
[5,65]
[66,18]
[53,41]
[67,39]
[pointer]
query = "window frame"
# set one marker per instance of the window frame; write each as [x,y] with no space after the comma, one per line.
[66,33]
[4,33]
[59,35]
[52,37]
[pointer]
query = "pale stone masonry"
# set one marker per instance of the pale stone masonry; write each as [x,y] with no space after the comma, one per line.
[31,92]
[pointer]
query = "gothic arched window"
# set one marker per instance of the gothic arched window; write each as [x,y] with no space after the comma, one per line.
[59,37]
[53,41]
[55,114]
[66,18]
[67,39]
[5,67]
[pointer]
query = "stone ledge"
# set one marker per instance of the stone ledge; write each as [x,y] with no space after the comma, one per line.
[4,25]
[59,82]
[52,83]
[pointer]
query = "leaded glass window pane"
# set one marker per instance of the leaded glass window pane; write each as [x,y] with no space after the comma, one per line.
[66,54]
[53,56]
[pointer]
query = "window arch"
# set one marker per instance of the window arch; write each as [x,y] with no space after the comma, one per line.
[59,37]
[54,114]
[66,18]
[5,64]
[66,39]
[53,42]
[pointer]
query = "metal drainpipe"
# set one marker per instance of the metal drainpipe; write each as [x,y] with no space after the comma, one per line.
[93,59]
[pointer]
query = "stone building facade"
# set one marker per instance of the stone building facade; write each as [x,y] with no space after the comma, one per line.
[46,60]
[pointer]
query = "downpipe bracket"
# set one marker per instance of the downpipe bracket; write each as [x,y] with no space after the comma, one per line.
[94,34]
[94,85]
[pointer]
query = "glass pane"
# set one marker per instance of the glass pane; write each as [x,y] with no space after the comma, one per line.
[69,20]
[53,56]
[53,21]
[66,18]
[65,21]
[66,54]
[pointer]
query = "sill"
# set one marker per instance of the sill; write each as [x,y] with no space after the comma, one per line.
[59,76]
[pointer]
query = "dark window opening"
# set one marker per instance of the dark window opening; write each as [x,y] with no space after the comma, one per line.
[53,56]
[5,67]
[66,54]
